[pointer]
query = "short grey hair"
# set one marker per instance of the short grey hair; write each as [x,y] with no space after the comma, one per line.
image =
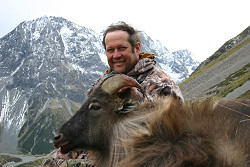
[134,35]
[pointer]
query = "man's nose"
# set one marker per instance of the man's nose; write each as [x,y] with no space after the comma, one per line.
[117,54]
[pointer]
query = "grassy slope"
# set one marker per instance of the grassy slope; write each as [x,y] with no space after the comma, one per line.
[213,63]
[233,81]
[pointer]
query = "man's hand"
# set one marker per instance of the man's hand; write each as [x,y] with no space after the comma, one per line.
[130,93]
[159,90]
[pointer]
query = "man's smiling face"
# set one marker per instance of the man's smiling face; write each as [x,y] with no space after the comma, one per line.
[121,57]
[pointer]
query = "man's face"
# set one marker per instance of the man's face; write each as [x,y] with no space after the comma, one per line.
[120,57]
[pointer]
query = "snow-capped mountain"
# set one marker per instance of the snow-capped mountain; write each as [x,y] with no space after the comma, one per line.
[46,67]
[179,65]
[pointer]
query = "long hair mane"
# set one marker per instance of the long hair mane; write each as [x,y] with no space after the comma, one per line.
[191,135]
[117,151]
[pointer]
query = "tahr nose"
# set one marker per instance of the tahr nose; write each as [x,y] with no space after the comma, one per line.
[57,140]
[57,137]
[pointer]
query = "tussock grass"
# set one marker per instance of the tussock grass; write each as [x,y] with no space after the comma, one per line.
[36,163]
[233,85]
[245,95]
[231,82]
[6,158]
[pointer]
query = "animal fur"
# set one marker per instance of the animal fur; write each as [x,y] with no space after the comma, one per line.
[199,134]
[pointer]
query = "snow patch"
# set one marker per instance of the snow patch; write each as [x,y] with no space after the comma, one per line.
[18,68]
[82,35]
[103,58]
[78,68]
[36,35]
[66,31]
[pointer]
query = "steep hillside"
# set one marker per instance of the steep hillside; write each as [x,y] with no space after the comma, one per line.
[225,74]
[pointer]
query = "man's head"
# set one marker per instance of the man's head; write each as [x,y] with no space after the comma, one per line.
[122,45]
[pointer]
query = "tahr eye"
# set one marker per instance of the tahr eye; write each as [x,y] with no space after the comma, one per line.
[94,106]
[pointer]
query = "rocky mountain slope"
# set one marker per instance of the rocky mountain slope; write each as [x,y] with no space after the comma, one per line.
[225,74]
[45,71]
[46,67]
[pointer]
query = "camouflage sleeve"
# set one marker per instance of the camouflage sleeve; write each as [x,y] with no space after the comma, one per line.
[159,83]
[71,159]
[96,84]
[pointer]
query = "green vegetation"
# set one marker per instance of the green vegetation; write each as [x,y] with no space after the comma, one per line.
[36,135]
[37,140]
[6,158]
[235,84]
[246,95]
[232,82]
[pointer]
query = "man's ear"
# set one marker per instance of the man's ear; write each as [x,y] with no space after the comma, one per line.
[138,48]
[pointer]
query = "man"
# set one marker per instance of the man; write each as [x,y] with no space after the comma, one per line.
[123,49]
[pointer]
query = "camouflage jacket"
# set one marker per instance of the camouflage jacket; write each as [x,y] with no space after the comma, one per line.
[56,159]
[149,76]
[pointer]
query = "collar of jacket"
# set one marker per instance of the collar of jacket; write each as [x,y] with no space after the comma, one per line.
[142,55]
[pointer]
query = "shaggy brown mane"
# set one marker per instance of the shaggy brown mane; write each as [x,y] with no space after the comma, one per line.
[196,134]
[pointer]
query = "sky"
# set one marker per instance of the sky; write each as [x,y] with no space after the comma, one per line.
[201,26]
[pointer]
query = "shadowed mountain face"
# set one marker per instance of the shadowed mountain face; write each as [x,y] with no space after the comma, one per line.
[46,67]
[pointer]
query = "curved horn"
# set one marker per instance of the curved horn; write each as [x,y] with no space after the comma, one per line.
[115,82]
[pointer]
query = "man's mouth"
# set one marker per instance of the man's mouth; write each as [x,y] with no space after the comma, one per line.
[119,63]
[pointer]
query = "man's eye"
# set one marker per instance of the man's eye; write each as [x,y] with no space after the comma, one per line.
[122,48]
[110,50]
[94,106]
